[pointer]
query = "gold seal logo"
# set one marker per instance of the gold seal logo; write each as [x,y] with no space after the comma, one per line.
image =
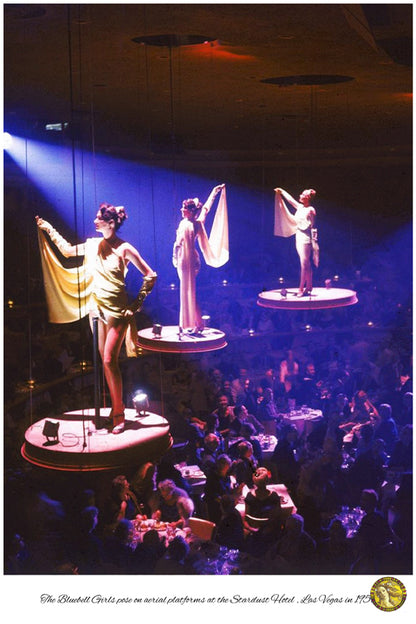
[388,593]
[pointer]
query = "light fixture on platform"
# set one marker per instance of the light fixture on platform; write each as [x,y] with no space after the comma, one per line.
[157,330]
[141,403]
[206,319]
[50,431]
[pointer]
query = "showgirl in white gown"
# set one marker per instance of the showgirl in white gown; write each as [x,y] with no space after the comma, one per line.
[301,223]
[186,259]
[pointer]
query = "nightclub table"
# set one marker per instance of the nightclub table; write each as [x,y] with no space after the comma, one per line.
[350,518]
[304,418]
[267,443]
[207,556]
[193,476]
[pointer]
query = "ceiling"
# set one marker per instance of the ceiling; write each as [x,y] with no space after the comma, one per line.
[345,74]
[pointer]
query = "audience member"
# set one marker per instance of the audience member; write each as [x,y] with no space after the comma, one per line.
[294,552]
[228,423]
[87,548]
[244,417]
[402,453]
[288,373]
[284,457]
[386,429]
[230,528]
[174,559]
[210,452]
[374,539]
[237,387]
[261,503]
[217,484]
[244,467]
[172,504]
[267,412]
[334,551]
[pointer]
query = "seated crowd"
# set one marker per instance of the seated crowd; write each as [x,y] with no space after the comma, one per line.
[358,455]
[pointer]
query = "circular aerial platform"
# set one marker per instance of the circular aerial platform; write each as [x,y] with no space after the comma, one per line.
[318,299]
[75,444]
[172,341]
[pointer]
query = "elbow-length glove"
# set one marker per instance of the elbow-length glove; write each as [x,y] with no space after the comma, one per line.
[62,244]
[146,288]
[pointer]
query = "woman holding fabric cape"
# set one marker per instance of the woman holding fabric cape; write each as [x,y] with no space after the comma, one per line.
[302,225]
[186,257]
[97,288]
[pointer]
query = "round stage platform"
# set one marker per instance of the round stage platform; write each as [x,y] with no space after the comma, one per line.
[80,447]
[170,341]
[319,299]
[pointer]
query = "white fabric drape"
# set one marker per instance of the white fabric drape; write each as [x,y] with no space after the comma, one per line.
[215,249]
[285,223]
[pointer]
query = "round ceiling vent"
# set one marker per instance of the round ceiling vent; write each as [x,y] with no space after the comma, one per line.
[308,79]
[173,40]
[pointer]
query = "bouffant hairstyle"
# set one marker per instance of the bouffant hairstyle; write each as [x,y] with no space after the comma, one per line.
[193,205]
[108,212]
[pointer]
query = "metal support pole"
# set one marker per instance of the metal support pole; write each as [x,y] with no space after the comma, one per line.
[96,360]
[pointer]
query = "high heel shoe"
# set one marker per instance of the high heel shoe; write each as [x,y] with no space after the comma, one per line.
[304,293]
[118,428]
[118,422]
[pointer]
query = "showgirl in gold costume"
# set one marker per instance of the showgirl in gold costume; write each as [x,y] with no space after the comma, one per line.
[97,288]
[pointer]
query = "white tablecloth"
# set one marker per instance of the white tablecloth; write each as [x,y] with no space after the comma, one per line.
[303,418]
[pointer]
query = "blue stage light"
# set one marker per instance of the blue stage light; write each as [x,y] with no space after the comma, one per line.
[7,140]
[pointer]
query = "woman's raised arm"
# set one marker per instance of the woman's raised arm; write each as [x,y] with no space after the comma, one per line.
[64,247]
[288,197]
[208,204]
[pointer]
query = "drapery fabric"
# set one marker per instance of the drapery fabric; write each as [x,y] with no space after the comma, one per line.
[68,290]
[97,285]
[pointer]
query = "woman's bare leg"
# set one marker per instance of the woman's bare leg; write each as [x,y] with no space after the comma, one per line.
[110,339]
[114,335]
[305,282]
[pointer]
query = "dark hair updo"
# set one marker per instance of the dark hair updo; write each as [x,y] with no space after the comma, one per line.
[193,205]
[113,213]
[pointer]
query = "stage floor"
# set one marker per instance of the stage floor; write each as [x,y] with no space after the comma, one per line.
[171,341]
[319,299]
[83,447]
